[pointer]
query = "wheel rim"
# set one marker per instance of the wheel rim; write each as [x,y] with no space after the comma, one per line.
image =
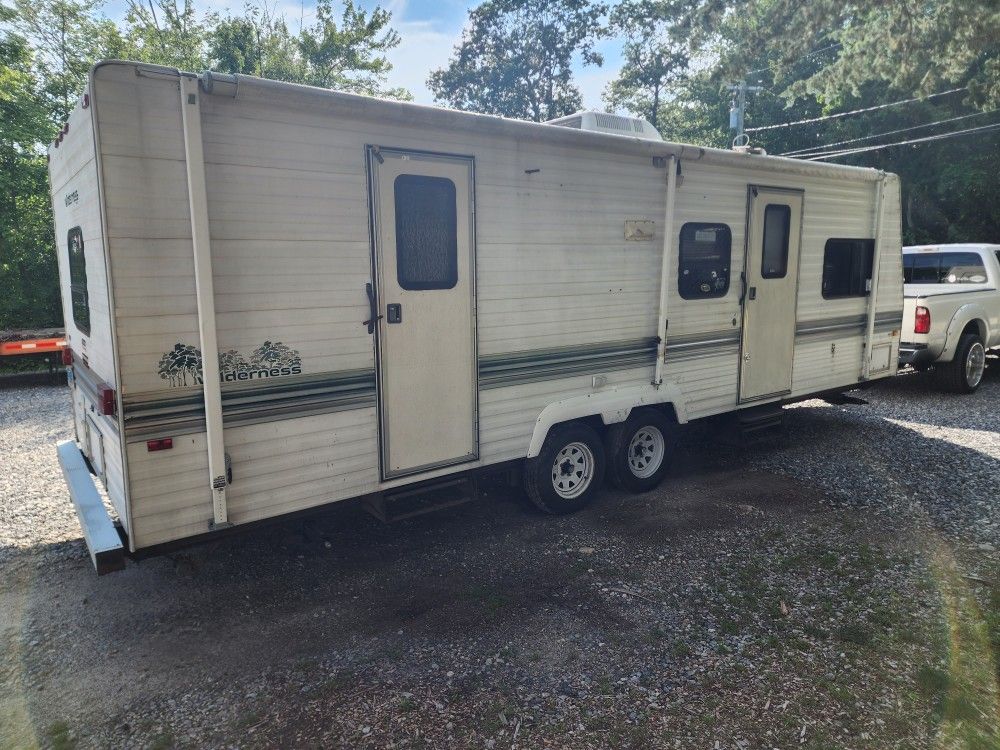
[975,363]
[573,470]
[646,451]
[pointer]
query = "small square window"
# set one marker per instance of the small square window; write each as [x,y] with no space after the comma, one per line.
[774,258]
[847,267]
[426,232]
[704,256]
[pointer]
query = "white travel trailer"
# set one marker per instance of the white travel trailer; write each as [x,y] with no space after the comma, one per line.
[278,296]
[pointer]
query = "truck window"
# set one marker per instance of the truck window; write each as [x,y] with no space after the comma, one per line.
[78,280]
[847,267]
[944,268]
[426,232]
[704,256]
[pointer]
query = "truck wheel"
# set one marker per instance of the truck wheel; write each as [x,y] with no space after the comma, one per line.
[964,373]
[640,449]
[568,470]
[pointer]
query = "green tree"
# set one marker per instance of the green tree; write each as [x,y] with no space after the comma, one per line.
[515,58]
[165,32]
[919,46]
[349,55]
[256,43]
[65,37]
[652,63]
[27,263]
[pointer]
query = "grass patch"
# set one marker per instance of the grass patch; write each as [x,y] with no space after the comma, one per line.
[680,649]
[59,736]
[932,682]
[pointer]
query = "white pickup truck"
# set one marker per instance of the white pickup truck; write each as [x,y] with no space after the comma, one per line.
[951,311]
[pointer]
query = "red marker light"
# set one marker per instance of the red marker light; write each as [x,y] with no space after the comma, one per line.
[67,356]
[161,444]
[922,320]
[106,400]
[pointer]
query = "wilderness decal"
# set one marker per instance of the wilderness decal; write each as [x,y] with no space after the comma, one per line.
[182,364]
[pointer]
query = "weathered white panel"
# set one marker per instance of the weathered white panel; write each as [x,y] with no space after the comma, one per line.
[288,212]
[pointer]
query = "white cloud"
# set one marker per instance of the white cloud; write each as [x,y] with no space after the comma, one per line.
[423,48]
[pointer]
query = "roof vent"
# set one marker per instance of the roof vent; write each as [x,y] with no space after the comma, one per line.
[602,122]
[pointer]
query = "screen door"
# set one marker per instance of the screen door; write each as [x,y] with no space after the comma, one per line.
[770,292]
[426,335]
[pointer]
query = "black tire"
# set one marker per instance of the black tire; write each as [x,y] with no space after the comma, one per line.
[643,472]
[960,375]
[540,483]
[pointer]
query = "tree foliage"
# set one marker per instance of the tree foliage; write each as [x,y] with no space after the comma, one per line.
[47,48]
[818,58]
[515,58]
[651,65]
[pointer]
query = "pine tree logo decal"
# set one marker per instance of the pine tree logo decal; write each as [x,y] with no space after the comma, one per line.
[181,366]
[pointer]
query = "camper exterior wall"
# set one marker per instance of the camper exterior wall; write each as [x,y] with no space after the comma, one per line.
[561,295]
[76,204]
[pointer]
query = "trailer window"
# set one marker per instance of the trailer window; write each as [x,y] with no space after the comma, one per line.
[847,268]
[944,268]
[426,232]
[78,280]
[774,258]
[704,258]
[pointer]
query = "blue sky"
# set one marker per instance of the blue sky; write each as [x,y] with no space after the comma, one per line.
[429,30]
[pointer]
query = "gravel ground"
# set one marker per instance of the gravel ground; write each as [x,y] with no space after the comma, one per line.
[830,590]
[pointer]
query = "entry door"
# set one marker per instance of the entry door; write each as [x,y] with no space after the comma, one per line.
[770,291]
[426,335]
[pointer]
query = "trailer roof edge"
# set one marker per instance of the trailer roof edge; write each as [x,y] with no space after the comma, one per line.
[360,106]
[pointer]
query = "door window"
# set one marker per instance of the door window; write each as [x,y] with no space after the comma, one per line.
[426,232]
[774,259]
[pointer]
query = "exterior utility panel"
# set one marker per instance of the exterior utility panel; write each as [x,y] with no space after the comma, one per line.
[279,296]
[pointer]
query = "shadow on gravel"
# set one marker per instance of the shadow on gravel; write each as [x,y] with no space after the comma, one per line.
[341,587]
[917,397]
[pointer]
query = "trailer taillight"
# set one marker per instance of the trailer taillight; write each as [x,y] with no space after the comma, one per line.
[922,321]
[67,356]
[161,444]
[106,400]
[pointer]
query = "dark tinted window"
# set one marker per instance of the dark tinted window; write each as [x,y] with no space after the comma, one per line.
[704,260]
[426,232]
[944,268]
[847,267]
[774,259]
[78,280]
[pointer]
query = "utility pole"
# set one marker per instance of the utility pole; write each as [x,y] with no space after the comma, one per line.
[738,110]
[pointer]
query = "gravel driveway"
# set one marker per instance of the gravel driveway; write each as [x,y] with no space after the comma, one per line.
[835,589]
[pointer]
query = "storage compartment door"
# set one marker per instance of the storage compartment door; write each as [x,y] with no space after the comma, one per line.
[425,323]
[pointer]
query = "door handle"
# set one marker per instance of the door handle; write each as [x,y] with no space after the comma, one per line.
[753,292]
[372,317]
[394,313]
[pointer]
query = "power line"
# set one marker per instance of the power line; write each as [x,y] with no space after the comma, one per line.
[925,139]
[818,149]
[855,111]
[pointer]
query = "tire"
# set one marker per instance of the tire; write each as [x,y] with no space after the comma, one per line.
[964,373]
[568,470]
[640,450]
